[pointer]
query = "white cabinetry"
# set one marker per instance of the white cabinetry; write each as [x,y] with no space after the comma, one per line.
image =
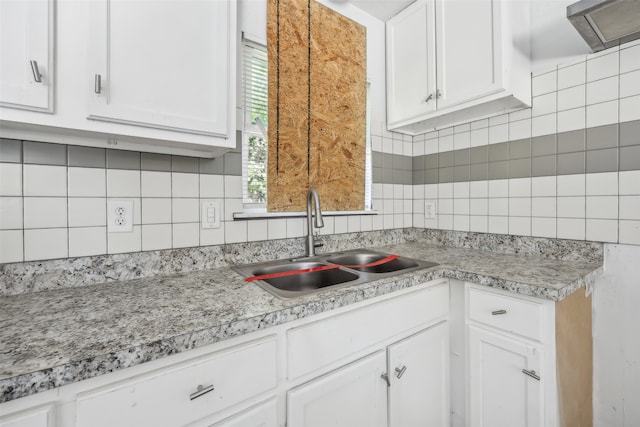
[451,62]
[26,62]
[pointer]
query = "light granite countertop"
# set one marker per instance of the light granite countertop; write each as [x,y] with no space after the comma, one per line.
[52,338]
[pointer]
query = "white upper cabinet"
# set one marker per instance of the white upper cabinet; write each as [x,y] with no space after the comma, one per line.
[450,62]
[26,62]
[160,64]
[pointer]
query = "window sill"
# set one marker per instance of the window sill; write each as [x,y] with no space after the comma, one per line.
[260,214]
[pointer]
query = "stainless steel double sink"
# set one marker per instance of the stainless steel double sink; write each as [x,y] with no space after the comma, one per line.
[296,277]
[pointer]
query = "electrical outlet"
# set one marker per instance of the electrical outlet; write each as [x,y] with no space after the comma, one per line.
[119,216]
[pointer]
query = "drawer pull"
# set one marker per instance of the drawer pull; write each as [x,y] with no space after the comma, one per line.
[532,374]
[400,371]
[386,378]
[497,312]
[97,83]
[200,391]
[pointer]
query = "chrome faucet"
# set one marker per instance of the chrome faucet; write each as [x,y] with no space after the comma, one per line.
[310,244]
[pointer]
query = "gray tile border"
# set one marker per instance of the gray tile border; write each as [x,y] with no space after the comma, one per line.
[445,159]
[44,153]
[87,157]
[499,152]
[543,166]
[398,176]
[431,176]
[10,150]
[571,163]
[479,154]
[630,158]
[499,170]
[445,174]
[602,137]
[461,173]
[376,175]
[407,178]
[479,172]
[461,157]
[119,159]
[185,164]
[376,159]
[387,161]
[520,168]
[431,161]
[233,164]
[571,142]
[602,160]
[417,177]
[398,162]
[155,162]
[543,145]
[387,176]
[630,133]
[417,163]
[212,166]
[520,149]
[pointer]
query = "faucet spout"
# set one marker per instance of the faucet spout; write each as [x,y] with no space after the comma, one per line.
[319,223]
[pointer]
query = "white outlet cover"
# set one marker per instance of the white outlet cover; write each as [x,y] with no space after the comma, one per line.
[119,216]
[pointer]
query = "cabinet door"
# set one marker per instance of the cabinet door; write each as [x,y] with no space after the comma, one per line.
[499,392]
[468,43]
[411,73]
[419,374]
[26,43]
[160,64]
[354,395]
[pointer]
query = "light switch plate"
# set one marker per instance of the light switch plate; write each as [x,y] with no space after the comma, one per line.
[429,210]
[210,213]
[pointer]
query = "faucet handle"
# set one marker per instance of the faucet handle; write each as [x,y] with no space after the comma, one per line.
[317,243]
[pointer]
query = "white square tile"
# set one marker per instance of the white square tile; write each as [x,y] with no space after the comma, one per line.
[277,228]
[445,190]
[445,222]
[499,120]
[185,210]
[571,207]
[630,59]
[520,206]
[329,226]
[156,237]
[87,182]
[445,132]
[479,124]
[602,90]
[479,224]
[50,243]
[630,207]
[87,241]
[11,246]
[232,186]
[431,223]
[188,234]
[602,230]
[461,190]
[445,143]
[387,191]
[630,84]
[520,226]
[543,207]
[388,206]
[230,207]
[445,206]
[46,181]
[212,236]
[398,146]
[366,222]
[544,104]
[11,213]
[186,185]
[571,185]
[573,75]
[499,224]
[156,210]
[571,228]
[45,212]
[520,187]
[376,143]
[118,243]
[479,137]
[156,184]
[418,148]
[602,66]
[296,227]
[498,133]
[544,83]
[478,189]
[574,97]
[418,221]
[629,182]
[398,221]
[461,140]
[629,108]
[353,224]
[256,230]
[376,191]
[87,212]
[602,184]
[418,191]
[602,114]
[407,206]
[602,207]
[523,114]
[544,125]
[341,225]
[629,232]
[431,191]
[123,183]
[499,207]
[543,186]
[543,227]
[466,127]
[520,129]
[407,147]
[10,179]
[460,207]
[571,119]
[499,188]
[461,222]
[479,206]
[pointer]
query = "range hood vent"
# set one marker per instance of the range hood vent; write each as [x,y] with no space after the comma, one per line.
[606,23]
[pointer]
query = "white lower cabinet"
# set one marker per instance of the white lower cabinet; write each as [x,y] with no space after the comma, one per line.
[262,415]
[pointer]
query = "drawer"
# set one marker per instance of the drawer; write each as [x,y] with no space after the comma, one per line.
[42,416]
[319,344]
[509,313]
[164,397]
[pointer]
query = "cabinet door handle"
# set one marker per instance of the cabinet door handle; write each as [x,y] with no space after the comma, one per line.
[200,391]
[438,94]
[97,83]
[532,374]
[36,72]
[428,98]
[497,312]
[386,378]
[400,371]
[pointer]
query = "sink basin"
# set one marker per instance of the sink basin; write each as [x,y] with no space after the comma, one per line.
[307,281]
[359,261]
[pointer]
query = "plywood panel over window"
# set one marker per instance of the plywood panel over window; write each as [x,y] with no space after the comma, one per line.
[317,106]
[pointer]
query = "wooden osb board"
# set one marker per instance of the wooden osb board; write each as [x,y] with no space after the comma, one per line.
[317,106]
[574,349]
